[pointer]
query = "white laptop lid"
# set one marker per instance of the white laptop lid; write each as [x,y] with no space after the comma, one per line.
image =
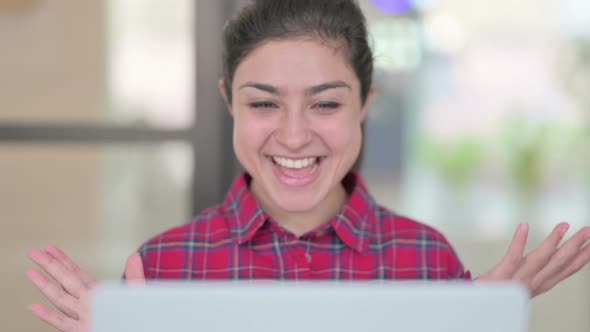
[310,307]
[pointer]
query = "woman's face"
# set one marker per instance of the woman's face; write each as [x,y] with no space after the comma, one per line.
[297,121]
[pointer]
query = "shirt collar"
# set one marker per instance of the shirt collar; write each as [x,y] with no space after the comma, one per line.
[353,224]
[356,221]
[242,211]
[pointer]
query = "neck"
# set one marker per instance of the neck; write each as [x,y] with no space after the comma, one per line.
[302,222]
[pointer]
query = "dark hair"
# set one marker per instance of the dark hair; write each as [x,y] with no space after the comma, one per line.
[330,20]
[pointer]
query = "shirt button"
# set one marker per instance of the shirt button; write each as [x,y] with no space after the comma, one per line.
[308,257]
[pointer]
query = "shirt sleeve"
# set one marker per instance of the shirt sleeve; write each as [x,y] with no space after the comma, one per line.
[456,269]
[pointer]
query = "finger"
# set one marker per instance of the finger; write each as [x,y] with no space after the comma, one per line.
[51,251]
[536,260]
[63,301]
[86,278]
[582,259]
[134,269]
[60,322]
[560,259]
[513,258]
[66,278]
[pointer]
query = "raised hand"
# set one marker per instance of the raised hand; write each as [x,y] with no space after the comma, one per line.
[71,297]
[547,265]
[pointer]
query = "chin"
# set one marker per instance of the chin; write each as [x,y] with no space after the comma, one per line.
[296,204]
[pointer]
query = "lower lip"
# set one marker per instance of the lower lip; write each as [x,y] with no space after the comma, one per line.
[295,181]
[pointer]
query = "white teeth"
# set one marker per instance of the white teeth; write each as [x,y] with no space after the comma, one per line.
[294,163]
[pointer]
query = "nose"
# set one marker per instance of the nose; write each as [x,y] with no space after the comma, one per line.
[294,131]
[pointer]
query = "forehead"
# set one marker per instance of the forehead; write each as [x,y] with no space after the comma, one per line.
[296,63]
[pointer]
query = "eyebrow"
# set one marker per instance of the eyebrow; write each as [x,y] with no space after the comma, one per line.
[263,87]
[314,90]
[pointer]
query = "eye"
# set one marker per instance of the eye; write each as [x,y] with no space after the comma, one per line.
[263,105]
[327,106]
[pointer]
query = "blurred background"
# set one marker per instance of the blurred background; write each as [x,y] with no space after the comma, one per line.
[111,128]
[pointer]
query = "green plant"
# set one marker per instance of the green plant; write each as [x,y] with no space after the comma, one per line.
[457,162]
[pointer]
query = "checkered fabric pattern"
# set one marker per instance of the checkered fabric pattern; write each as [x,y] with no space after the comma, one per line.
[238,240]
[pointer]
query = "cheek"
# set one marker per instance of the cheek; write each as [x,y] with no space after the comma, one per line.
[341,135]
[249,135]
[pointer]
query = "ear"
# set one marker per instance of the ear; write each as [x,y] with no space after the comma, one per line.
[365,108]
[223,92]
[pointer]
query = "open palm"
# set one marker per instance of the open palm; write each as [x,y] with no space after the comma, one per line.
[71,295]
[547,265]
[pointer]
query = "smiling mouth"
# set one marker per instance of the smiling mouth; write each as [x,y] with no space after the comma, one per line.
[297,168]
[295,163]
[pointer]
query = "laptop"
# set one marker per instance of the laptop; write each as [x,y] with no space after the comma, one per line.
[310,307]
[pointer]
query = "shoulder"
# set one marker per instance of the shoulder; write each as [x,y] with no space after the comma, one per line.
[207,226]
[392,225]
[388,227]
[414,238]
[208,229]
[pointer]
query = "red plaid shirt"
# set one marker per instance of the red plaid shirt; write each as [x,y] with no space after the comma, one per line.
[238,240]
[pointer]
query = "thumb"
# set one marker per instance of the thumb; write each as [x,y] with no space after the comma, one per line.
[134,269]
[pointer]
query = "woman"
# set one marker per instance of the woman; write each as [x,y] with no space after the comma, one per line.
[298,84]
